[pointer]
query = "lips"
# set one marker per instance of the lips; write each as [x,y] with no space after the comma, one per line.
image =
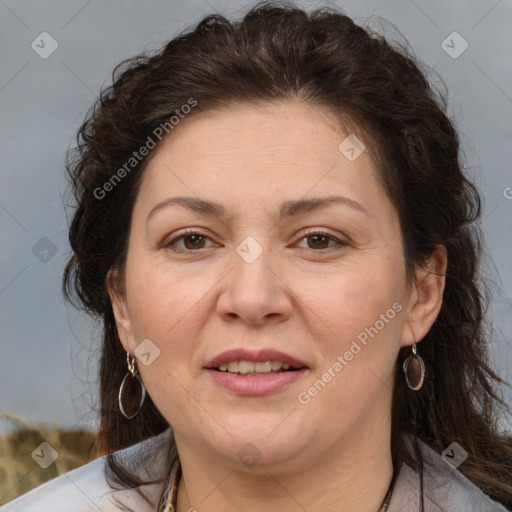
[247,383]
[260,356]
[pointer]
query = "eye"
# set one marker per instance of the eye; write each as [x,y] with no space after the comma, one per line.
[195,240]
[191,239]
[320,240]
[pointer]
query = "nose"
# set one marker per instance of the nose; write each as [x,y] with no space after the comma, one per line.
[255,292]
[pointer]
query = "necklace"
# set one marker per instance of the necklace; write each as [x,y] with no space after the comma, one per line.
[387,499]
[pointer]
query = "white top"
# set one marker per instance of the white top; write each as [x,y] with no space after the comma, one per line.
[85,489]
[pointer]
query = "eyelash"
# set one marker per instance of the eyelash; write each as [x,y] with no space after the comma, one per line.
[171,244]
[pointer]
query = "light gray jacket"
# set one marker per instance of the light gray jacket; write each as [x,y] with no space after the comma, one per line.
[85,489]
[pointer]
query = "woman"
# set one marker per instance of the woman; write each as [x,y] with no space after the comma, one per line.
[273,225]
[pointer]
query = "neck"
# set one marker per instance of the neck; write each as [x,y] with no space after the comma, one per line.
[354,475]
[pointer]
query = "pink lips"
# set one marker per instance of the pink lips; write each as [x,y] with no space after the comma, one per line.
[255,384]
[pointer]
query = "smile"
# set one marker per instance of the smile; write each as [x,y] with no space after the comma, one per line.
[247,372]
[255,367]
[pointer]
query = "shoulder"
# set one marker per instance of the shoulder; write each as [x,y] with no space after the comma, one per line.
[86,488]
[445,488]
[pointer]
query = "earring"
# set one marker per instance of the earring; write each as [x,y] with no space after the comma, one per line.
[131,392]
[414,369]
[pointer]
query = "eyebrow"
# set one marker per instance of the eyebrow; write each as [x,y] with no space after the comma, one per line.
[287,209]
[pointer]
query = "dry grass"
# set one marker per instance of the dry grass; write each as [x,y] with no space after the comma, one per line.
[20,473]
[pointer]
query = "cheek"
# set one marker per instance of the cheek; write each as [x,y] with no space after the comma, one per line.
[357,352]
[351,300]
[164,307]
[160,298]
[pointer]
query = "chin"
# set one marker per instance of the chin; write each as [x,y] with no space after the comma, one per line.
[259,442]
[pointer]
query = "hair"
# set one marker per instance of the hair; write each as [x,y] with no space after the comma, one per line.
[279,52]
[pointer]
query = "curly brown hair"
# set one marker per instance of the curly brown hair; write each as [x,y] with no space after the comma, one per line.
[322,58]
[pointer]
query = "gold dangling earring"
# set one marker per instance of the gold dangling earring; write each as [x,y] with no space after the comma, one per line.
[131,396]
[414,369]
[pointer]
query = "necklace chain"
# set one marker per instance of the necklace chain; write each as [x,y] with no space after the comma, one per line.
[387,499]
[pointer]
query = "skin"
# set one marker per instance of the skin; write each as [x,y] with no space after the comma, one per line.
[295,297]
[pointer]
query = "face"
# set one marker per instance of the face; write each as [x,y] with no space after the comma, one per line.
[299,262]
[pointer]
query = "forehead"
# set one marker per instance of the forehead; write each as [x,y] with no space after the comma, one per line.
[249,152]
[272,129]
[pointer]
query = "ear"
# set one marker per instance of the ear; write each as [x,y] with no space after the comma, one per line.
[120,309]
[426,297]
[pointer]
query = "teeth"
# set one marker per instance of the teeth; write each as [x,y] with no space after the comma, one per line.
[245,367]
[262,367]
[233,366]
[252,368]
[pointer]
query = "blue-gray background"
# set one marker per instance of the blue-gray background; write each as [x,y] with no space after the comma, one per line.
[49,351]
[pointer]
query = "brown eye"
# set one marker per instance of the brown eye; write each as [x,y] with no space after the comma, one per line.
[191,241]
[320,240]
[196,241]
